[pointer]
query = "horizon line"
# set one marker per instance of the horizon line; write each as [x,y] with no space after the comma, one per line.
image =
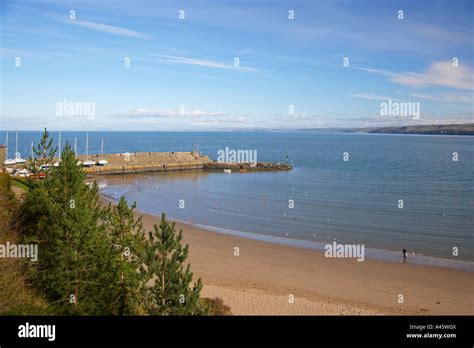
[237,129]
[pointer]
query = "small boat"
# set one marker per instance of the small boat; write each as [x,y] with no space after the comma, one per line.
[228,171]
[103,161]
[23,173]
[38,176]
[18,158]
[8,162]
[88,163]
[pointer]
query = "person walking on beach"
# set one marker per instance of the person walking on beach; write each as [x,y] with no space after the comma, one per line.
[404,254]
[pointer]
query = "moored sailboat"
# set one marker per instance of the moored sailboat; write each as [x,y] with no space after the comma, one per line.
[18,158]
[8,161]
[56,164]
[87,162]
[102,162]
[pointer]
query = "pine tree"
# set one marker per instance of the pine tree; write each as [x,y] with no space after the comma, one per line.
[172,292]
[75,255]
[127,238]
[43,154]
[97,261]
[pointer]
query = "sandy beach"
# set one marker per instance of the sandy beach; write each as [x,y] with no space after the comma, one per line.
[272,279]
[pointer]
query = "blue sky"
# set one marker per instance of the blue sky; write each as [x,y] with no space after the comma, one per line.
[182,75]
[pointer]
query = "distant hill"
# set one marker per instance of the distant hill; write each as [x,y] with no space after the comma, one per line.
[448,129]
[444,129]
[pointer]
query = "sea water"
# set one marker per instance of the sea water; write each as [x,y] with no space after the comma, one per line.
[387,192]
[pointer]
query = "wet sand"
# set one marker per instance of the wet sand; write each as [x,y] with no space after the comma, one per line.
[275,279]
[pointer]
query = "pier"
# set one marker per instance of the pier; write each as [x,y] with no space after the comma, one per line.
[141,162]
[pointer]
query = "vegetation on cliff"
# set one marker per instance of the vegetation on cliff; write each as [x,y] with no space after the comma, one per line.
[93,260]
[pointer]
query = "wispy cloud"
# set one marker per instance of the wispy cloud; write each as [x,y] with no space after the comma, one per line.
[8,52]
[371,96]
[442,74]
[202,62]
[447,97]
[375,71]
[108,28]
[147,113]
[436,33]
[439,74]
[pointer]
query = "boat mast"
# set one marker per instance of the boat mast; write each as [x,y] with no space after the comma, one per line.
[6,141]
[59,156]
[87,145]
[16,146]
[102,148]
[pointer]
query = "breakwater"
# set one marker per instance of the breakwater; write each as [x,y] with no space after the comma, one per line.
[260,166]
[141,162]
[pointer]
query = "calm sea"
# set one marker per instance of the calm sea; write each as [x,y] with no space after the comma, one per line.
[357,201]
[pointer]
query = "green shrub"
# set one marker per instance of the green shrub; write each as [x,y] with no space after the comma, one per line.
[216,306]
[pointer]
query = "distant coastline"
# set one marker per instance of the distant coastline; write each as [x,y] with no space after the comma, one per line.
[449,129]
[445,129]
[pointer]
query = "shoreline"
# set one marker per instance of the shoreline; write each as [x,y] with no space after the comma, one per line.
[265,276]
[385,255]
[374,253]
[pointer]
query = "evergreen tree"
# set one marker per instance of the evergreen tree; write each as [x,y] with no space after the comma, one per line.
[97,261]
[75,255]
[45,150]
[43,154]
[172,292]
[127,238]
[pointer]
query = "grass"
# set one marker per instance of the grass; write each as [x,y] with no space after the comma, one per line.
[19,184]
[16,297]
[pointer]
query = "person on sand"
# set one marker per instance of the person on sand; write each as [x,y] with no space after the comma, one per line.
[404,254]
